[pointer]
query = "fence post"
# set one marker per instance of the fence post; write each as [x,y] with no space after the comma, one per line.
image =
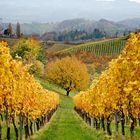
[92,122]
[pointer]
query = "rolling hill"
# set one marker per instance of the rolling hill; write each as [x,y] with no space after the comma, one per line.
[105,47]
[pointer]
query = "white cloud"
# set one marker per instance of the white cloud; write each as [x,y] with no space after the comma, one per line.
[56,10]
[135,0]
[105,0]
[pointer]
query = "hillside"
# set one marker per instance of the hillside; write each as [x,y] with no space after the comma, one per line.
[134,23]
[105,47]
[58,47]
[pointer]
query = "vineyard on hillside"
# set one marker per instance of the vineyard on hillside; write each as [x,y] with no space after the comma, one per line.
[23,102]
[107,47]
[115,95]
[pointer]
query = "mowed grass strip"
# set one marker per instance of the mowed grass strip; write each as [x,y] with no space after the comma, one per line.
[67,125]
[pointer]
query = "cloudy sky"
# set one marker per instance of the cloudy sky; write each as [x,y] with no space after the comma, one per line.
[58,10]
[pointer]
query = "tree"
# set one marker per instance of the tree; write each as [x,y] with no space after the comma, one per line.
[27,49]
[69,73]
[98,34]
[37,68]
[6,32]
[10,29]
[30,51]
[18,31]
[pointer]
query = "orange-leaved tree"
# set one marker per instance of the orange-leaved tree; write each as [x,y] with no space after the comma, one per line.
[69,73]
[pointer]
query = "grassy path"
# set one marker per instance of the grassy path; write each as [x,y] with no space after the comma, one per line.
[66,125]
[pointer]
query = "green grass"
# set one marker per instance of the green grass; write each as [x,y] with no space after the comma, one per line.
[105,47]
[53,87]
[12,132]
[127,132]
[58,47]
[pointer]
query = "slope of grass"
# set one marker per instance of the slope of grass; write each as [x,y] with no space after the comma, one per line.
[53,87]
[58,47]
[104,47]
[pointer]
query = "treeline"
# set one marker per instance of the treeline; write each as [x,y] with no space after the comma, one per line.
[23,102]
[115,94]
[75,35]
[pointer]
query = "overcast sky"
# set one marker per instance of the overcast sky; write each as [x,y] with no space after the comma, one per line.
[58,10]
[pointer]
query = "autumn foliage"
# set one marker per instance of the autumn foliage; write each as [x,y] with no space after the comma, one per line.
[29,50]
[116,93]
[69,73]
[21,95]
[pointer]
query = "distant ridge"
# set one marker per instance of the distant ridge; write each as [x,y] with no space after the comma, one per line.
[79,24]
[133,23]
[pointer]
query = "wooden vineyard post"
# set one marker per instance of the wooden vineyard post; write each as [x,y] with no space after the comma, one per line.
[21,125]
[92,122]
